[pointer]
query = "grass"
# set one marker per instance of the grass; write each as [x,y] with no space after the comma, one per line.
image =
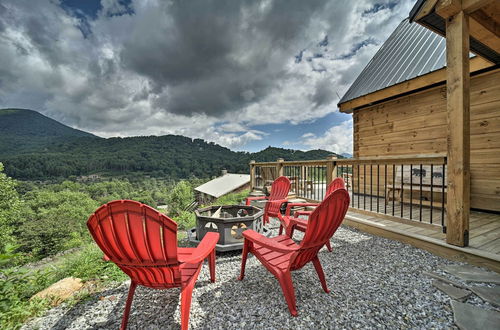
[18,285]
[232,199]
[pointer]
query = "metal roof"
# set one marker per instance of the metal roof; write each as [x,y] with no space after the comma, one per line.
[435,22]
[224,184]
[410,51]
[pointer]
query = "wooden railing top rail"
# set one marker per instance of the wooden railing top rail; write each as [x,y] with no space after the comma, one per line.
[415,160]
[294,162]
[395,161]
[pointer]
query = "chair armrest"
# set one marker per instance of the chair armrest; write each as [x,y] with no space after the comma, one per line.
[296,214]
[291,221]
[262,240]
[249,199]
[206,246]
[290,205]
[297,221]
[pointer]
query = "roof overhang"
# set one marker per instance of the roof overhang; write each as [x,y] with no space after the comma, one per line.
[484,22]
[484,27]
[429,80]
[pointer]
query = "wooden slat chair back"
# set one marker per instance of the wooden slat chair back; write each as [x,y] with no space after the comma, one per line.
[321,226]
[139,240]
[142,242]
[279,194]
[301,225]
[337,183]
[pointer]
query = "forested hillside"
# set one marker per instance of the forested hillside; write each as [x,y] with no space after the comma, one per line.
[24,130]
[46,149]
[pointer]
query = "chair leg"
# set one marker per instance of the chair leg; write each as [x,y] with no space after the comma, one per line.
[321,274]
[211,265]
[128,304]
[280,232]
[286,284]
[244,255]
[329,246]
[186,295]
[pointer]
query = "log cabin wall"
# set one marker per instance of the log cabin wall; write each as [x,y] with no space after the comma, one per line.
[416,125]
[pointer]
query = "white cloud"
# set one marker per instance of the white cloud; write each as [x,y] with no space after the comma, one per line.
[153,72]
[337,139]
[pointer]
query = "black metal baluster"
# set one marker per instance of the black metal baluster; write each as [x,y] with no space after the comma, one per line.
[442,199]
[378,187]
[371,187]
[364,186]
[315,192]
[385,189]
[432,197]
[347,184]
[358,186]
[393,186]
[421,176]
[308,178]
[402,195]
[411,191]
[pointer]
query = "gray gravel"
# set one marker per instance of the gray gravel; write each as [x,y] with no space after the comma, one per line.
[374,282]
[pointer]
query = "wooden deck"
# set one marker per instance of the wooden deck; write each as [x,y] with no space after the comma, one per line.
[484,241]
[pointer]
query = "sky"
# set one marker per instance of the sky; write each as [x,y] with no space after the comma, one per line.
[243,74]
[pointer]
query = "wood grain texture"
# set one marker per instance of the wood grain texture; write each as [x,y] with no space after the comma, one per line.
[396,128]
[458,129]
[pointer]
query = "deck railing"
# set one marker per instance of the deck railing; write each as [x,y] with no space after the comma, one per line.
[407,188]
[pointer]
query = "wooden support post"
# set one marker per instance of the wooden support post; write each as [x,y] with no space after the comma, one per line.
[252,175]
[331,169]
[279,166]
[458,120]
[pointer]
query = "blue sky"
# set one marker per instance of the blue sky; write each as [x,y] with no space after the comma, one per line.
[244,74]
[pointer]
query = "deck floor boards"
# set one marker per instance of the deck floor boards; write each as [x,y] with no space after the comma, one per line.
[484,227]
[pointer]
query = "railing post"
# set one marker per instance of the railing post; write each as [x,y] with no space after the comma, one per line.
[458,113]
[331,168]
[279,166]
[252,174]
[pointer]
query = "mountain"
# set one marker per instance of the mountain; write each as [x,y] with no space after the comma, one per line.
[52,150]
[346,155]
[23,130]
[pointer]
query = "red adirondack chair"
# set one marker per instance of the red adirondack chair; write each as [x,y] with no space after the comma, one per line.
[337,183]
[281,255]
[143,243]
[279,193]
[301,224]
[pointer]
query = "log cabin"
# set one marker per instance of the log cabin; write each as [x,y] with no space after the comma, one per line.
[426,131]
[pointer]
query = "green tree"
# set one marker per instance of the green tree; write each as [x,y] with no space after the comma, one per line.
[54,221]
[180,198]
[10,207]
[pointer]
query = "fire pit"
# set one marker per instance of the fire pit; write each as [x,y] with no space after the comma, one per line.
[230,221]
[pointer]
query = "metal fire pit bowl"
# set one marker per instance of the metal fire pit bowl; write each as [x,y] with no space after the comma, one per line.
[230,221]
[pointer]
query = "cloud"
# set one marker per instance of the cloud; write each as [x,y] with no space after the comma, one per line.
[206,68]
[337,139]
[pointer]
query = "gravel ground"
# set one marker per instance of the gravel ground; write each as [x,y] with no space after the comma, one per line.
[374,282]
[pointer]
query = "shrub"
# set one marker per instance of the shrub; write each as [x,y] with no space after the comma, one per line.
[10,209]
[88,265]
[185,220]
[179,198]
[232,199]
[54,221]
[17,285]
